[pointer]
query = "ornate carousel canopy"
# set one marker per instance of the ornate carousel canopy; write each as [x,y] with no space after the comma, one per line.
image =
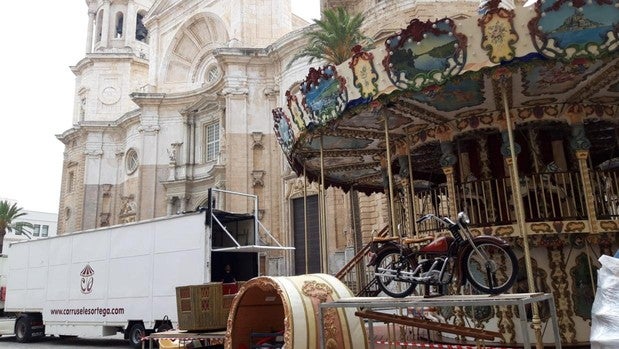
[436,78]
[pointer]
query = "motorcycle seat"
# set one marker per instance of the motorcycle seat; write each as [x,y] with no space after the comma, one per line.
[417,240]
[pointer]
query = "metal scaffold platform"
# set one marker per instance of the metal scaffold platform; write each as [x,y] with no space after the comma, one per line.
[366,304]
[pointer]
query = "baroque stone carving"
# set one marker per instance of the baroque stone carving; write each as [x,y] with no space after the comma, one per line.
[257,178]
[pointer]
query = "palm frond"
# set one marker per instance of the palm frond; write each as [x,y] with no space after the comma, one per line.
[336,33]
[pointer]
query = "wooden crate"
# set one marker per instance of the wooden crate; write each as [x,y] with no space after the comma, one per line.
[200,307]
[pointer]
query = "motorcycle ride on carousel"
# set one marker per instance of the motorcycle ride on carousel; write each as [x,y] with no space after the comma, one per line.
[487,262]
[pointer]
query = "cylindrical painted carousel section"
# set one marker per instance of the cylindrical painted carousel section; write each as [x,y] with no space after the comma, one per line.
[289,307]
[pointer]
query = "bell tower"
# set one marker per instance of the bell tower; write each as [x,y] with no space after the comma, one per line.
[115,64]
[117,26]
[116,61]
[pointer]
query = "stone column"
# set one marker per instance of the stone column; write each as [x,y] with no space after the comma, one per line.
[153,62]
[129,19]
[92,176]
[90,31]
[105,26]
[169,205]
[149,131]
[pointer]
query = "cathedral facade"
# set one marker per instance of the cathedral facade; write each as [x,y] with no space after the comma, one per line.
[175,97]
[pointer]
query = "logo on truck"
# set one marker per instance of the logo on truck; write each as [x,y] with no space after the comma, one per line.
[87,279]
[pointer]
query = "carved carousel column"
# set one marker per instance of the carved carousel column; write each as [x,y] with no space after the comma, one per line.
[509,150]
[580,144]
[402,154]
[559,279]
[447,161]
[386,186]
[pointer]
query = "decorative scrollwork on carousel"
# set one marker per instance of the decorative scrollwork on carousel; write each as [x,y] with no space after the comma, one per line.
[424,54]
[522,286]
[298,116]
[566,29]
[283,130]
[559,279]
[505,149]
[582,285]
[499,36]
[324,94]
[365,77]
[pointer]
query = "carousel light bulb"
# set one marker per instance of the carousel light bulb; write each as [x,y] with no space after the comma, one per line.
[570,4]
[418,42]
[388,41]
[540,27]
[434,26]
[425,35]
[410,40]
[399,38]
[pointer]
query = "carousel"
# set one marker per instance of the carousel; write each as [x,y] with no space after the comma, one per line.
[511,115]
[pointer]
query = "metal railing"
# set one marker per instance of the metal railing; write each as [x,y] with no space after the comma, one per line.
[356,275]
[545,197]
[605,186]
[553,196]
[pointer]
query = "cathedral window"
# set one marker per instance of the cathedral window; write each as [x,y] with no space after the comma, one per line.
[131,161]
[212,74]
[70,180]
[119,25]
[212,141]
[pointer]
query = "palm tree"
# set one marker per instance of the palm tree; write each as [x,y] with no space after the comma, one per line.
[8,214]
[335,36]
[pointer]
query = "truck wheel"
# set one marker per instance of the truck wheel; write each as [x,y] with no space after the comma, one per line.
[136,332]
[23,330]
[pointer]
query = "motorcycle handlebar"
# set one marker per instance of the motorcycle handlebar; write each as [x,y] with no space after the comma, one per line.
[424,218]
[446,221]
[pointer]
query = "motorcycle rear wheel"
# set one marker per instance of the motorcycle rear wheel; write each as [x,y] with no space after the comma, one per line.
[390,261]
[493,275]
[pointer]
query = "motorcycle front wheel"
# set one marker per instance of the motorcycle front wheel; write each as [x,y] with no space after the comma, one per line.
[389,265]
[493,269]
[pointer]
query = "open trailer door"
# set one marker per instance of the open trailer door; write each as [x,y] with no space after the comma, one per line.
[238,240]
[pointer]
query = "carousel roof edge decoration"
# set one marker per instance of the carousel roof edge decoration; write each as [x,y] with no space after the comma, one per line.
[437,76]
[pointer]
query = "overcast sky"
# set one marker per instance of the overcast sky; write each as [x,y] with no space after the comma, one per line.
[40,40]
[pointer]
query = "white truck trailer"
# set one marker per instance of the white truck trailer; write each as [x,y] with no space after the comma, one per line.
[123,278]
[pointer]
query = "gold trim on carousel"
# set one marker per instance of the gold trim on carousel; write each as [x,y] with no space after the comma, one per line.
[575,227]
[540,228]
[505,231]
[609,225]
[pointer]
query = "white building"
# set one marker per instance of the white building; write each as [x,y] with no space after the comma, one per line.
[45,225]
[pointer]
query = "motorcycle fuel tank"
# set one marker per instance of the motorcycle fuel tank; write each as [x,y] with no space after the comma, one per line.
[440,245]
